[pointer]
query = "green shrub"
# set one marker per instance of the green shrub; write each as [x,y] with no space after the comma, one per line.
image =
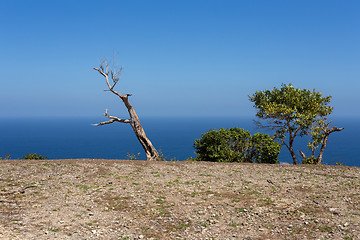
[265,149]
[34,156]
[236,145]
[309,160]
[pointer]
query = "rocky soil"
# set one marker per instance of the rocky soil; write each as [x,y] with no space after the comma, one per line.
[114,199]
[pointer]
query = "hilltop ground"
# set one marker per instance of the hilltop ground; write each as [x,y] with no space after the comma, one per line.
[114,199]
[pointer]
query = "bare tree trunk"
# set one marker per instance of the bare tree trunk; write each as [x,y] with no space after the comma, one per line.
[150,151]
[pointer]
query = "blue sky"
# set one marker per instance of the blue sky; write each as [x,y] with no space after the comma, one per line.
[180,58]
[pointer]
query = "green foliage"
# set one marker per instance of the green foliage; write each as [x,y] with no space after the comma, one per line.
[300,106]
[292,112]
[236,145]
[309,160]
[265,149]
[34,156]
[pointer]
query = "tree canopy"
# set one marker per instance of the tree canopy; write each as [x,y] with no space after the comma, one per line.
[292,112]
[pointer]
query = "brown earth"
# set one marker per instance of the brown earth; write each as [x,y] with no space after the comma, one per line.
[114,199]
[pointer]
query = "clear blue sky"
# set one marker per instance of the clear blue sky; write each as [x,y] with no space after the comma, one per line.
[180,58]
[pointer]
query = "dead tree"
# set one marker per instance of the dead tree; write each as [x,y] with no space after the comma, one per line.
[106,72]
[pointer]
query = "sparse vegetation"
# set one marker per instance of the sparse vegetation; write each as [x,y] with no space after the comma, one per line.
[131,156]
[180,200]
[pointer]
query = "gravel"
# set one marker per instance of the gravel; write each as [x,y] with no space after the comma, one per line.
[122,199]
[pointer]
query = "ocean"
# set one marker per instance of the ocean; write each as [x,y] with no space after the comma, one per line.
[60,138]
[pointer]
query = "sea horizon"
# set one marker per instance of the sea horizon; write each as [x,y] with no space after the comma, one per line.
[76,138]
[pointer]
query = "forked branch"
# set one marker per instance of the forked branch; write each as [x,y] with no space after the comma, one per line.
[112,119]
[104,70]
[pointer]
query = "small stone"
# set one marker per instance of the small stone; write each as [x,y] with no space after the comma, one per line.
[334,211]
[141,236]
[346,224]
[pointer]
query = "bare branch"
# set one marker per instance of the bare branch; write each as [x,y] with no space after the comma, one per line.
[101,71]
[103,123]
[302,154]
[106,75]
[334,129]
[112,119]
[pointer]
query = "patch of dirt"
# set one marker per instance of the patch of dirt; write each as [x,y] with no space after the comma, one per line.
[117,199]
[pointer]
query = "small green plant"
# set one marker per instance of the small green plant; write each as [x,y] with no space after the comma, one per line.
[183,225]
[242,210]
[131,156]
[162,157]
[34,156]
[233,224]
[160,200]
[83,187]
[53,229]
[325,228]
[203,224]
[124,238]
[7,157]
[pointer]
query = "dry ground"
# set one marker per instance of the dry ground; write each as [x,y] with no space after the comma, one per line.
[114,199]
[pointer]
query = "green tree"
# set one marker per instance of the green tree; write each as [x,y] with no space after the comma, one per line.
[293,112]
[236,145]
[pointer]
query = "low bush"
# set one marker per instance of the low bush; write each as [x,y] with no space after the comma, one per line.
[236,145]
[34,156]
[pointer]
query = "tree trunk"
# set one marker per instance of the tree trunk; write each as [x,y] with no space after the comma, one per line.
[323,145]
[150,151]
[291,149]
[327,132]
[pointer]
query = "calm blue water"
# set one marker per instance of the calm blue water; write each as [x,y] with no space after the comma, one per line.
[77,138]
